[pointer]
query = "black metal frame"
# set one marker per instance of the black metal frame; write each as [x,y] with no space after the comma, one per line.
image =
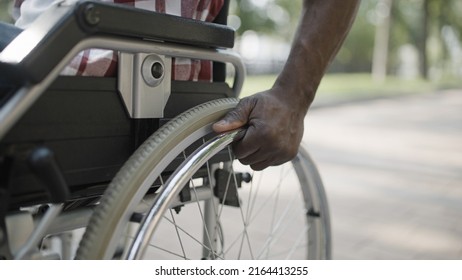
[82,120]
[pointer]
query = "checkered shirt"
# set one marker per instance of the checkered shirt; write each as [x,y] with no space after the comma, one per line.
[103,63]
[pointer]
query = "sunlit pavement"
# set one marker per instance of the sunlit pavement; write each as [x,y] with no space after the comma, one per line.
[392,169]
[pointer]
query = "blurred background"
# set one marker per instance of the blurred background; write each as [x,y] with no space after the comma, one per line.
[416,42]
[386,126]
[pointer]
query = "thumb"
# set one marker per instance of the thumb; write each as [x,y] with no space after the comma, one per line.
[234,119]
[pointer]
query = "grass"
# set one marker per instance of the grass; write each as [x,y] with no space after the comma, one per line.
[351,86]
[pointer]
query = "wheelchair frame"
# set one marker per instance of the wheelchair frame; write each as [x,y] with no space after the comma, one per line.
[35,155]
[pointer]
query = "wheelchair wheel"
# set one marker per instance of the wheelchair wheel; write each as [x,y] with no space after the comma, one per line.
[183,196]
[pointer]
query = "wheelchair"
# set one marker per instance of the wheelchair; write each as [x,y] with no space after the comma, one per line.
[128,167]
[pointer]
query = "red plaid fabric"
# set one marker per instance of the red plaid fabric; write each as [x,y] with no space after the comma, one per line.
[103,63]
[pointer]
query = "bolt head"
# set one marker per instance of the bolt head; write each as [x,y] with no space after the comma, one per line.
[92,15]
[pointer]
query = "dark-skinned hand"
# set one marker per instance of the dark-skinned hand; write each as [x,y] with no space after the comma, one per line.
[272,128]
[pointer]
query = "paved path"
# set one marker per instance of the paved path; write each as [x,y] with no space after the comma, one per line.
[392,169]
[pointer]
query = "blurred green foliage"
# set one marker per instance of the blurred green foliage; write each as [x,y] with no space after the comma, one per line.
[278,18]
[411,24]
[5,11]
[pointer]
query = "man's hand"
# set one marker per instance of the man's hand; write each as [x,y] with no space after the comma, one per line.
[273,129]
[273,119]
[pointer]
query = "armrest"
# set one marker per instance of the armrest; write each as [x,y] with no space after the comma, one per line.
[100,18]
[40,48]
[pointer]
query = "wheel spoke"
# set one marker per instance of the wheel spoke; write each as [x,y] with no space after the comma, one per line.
[298,241]
[188,234]
[253,230]
[243,218]
[178,233]
[278,229]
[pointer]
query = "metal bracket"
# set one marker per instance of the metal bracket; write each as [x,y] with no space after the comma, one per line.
[145,83]
[227,185]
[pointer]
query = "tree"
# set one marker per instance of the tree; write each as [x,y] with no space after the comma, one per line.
[380,30]
[382,37]
[422,43]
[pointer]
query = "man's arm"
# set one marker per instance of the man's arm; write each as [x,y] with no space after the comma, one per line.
[274,118]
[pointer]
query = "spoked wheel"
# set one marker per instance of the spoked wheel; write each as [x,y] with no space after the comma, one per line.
[183,196]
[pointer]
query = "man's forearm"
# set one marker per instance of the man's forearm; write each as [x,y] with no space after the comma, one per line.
[322,29]
[274,119]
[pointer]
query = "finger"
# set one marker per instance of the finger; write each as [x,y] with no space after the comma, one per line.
[258,158]
[255,163]
[236,118]
[246,146]
[259,166]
